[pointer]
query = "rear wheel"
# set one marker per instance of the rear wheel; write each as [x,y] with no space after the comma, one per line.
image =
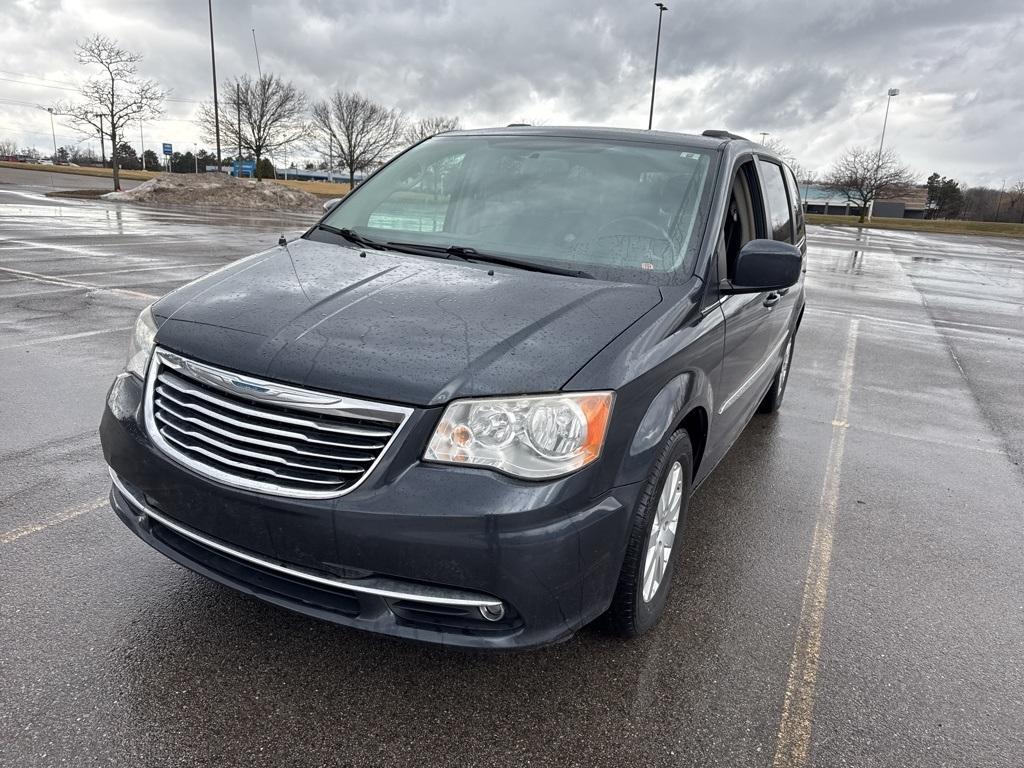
[655,540]
[773,397]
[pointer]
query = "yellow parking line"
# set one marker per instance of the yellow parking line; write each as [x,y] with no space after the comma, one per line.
[793,744]
[68,514]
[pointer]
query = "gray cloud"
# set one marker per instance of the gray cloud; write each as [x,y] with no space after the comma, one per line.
[812,74]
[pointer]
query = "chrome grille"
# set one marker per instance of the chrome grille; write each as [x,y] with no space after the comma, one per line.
[262,435]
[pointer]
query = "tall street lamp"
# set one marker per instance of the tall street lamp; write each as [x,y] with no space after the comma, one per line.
[54,133]
[888,101]
[881,143]
[213,64]
[657,47]
[103,150]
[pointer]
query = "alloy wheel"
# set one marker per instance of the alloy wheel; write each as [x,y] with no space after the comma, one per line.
[663,532]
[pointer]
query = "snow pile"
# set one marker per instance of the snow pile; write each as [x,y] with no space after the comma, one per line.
[217,190]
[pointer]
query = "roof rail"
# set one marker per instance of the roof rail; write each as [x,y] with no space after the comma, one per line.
[716,134]
[519,125]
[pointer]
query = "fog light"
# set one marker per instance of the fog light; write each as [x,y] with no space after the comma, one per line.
[493,612]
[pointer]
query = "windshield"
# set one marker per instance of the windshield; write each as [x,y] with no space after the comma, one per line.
[616,210]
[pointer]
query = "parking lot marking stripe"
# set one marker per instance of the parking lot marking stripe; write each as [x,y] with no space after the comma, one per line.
[75,250]
[63,337]
[793,743]
[61,281]
[29,294]
[147,269]
[63,517]
[925,327]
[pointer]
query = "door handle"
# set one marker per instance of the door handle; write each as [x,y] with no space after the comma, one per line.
[772,299]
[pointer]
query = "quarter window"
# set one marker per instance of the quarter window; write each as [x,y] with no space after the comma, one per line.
[798,206]
[780,214]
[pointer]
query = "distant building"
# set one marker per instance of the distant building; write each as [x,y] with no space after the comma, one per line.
[909,206]
[317,175]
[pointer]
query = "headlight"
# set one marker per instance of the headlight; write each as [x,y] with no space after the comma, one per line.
[533,437]
[141,345]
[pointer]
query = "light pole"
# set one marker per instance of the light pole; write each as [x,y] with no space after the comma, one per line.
[888,101]
[213,64]
[999,200]
[142,147]
[764,135]
[881,143]
[657,47]
[257,49]
[195,156]
[103,150]
[54,134]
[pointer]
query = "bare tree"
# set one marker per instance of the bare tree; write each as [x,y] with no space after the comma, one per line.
[1017,197]
[266,115]
[364,132]
[113,99]
[430,126]
[804,176]
[863,176]
[779,147]
[8,147]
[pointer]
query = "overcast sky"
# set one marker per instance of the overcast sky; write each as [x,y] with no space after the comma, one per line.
[812,74]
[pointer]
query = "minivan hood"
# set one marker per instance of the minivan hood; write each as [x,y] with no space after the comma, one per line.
[394,327]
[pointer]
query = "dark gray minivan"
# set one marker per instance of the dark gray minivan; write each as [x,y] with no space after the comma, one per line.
[471,404]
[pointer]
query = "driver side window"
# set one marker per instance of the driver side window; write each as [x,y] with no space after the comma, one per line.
[743,221]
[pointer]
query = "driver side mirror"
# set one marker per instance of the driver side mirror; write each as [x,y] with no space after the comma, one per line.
[766,265]
[331,204]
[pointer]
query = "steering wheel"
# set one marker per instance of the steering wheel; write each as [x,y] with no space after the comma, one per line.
[647,224]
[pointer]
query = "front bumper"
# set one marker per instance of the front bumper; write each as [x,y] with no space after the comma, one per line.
[441,554]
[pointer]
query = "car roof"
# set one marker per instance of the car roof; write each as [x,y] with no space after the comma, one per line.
[614,134]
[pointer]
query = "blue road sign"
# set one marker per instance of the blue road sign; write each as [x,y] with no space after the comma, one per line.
[243,168]
[167,149]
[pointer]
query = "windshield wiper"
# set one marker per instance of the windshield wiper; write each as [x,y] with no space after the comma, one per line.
[472,255]
[352,236]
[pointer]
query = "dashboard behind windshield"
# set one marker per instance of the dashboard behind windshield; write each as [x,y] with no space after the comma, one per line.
[618,210]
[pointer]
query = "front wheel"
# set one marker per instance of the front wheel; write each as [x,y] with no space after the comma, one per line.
[773,397]
[654,541]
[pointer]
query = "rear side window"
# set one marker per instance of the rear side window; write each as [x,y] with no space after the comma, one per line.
[780,213]
[798,208]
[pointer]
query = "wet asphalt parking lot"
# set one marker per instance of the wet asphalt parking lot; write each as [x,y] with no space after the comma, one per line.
[851,591]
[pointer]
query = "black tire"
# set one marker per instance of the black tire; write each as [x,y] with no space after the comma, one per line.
[773,397]
[630,615]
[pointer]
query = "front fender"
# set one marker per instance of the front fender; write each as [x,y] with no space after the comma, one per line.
[686,394]
[662,370]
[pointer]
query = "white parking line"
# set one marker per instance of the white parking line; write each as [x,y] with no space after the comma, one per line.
[147,269]
[75,250]
[28,294]
[793,744]
[68,514]
[63,337]
[930,325]
[61,281]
